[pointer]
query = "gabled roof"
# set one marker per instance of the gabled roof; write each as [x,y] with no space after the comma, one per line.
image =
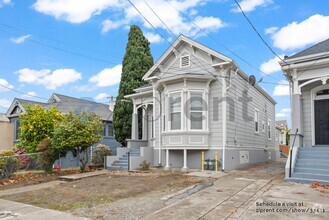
[3,118]
[281,124]
[321,47]
[65,104]
[173,48]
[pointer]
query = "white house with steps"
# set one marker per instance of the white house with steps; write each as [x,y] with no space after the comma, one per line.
[198,100]
[308,74]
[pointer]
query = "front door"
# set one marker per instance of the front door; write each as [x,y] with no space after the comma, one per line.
[321,118]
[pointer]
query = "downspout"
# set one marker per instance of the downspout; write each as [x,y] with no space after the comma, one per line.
[160,116]
[224,116]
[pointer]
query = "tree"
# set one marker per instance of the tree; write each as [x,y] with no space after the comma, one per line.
[136,62]
[78,132]
[37,124]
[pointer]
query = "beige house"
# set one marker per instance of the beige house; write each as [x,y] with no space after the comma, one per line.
[6,134]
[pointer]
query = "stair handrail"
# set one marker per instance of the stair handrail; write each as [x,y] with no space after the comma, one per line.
[291,150]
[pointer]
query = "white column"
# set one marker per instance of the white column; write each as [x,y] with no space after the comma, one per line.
[144,124]
[185,168]
[167,167]
[134,124]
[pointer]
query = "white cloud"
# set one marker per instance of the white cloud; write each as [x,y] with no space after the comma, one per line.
[5,84]
[282,89]
[107,77]
[298,35]
[124,14]
[111,25]
[153,38]
[101,96]
[19,40]
[271,30]
[5,103]
[50,79]
[29,95]
[74,11]
[271,66]
[284,113]
[251,5]
[4,2]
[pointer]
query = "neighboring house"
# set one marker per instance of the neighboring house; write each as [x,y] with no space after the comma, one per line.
[198,100]
[282,126]
[6,134]
[308,74]
[281,136]
[65,104]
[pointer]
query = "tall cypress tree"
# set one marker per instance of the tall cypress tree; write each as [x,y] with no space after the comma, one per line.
[136,62]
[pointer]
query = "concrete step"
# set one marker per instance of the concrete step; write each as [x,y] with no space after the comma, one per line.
[311,170]
[311,176]
[322,156]
[324,145]
[117,168]
[313,161]
[312,166]
[119,165]
[303,180]
[313,149]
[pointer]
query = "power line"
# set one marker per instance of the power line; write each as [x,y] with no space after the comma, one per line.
[162,35]
[222,45]
[23,93]
[59,41]
[64,50]
[254,28]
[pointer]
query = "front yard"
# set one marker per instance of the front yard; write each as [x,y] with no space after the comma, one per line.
[88,196]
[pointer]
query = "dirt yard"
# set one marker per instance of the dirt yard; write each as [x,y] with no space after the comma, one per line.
[88,196]
[27,178]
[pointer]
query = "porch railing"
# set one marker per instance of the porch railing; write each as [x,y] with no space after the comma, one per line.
[291,151]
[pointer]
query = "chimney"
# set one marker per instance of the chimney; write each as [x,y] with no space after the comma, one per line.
[112,103]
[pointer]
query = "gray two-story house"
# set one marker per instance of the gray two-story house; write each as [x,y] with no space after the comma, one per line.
[198,100]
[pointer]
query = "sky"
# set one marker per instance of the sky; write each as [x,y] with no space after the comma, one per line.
[75,47]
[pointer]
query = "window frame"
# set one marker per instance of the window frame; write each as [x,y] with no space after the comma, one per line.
[269,129]
[203,111]
[256,126]
[170,94]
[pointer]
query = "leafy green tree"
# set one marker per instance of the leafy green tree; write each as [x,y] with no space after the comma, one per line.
[36,124]
[136,62]
[77,132]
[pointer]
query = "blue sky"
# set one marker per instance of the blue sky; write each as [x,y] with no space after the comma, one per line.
[75,47]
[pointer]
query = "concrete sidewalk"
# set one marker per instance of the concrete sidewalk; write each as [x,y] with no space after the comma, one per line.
[30,188]
[235,196]
[15,210]
[80,176]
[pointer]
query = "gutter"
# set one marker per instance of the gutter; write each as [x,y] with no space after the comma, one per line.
[224,117]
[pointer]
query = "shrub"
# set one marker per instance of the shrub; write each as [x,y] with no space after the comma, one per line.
[48,155]
[99,153]
[9,164]
[145,165]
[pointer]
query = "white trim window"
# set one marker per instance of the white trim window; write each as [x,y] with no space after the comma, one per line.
[175,108]
[256,119]
[269,129]
[196,111]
